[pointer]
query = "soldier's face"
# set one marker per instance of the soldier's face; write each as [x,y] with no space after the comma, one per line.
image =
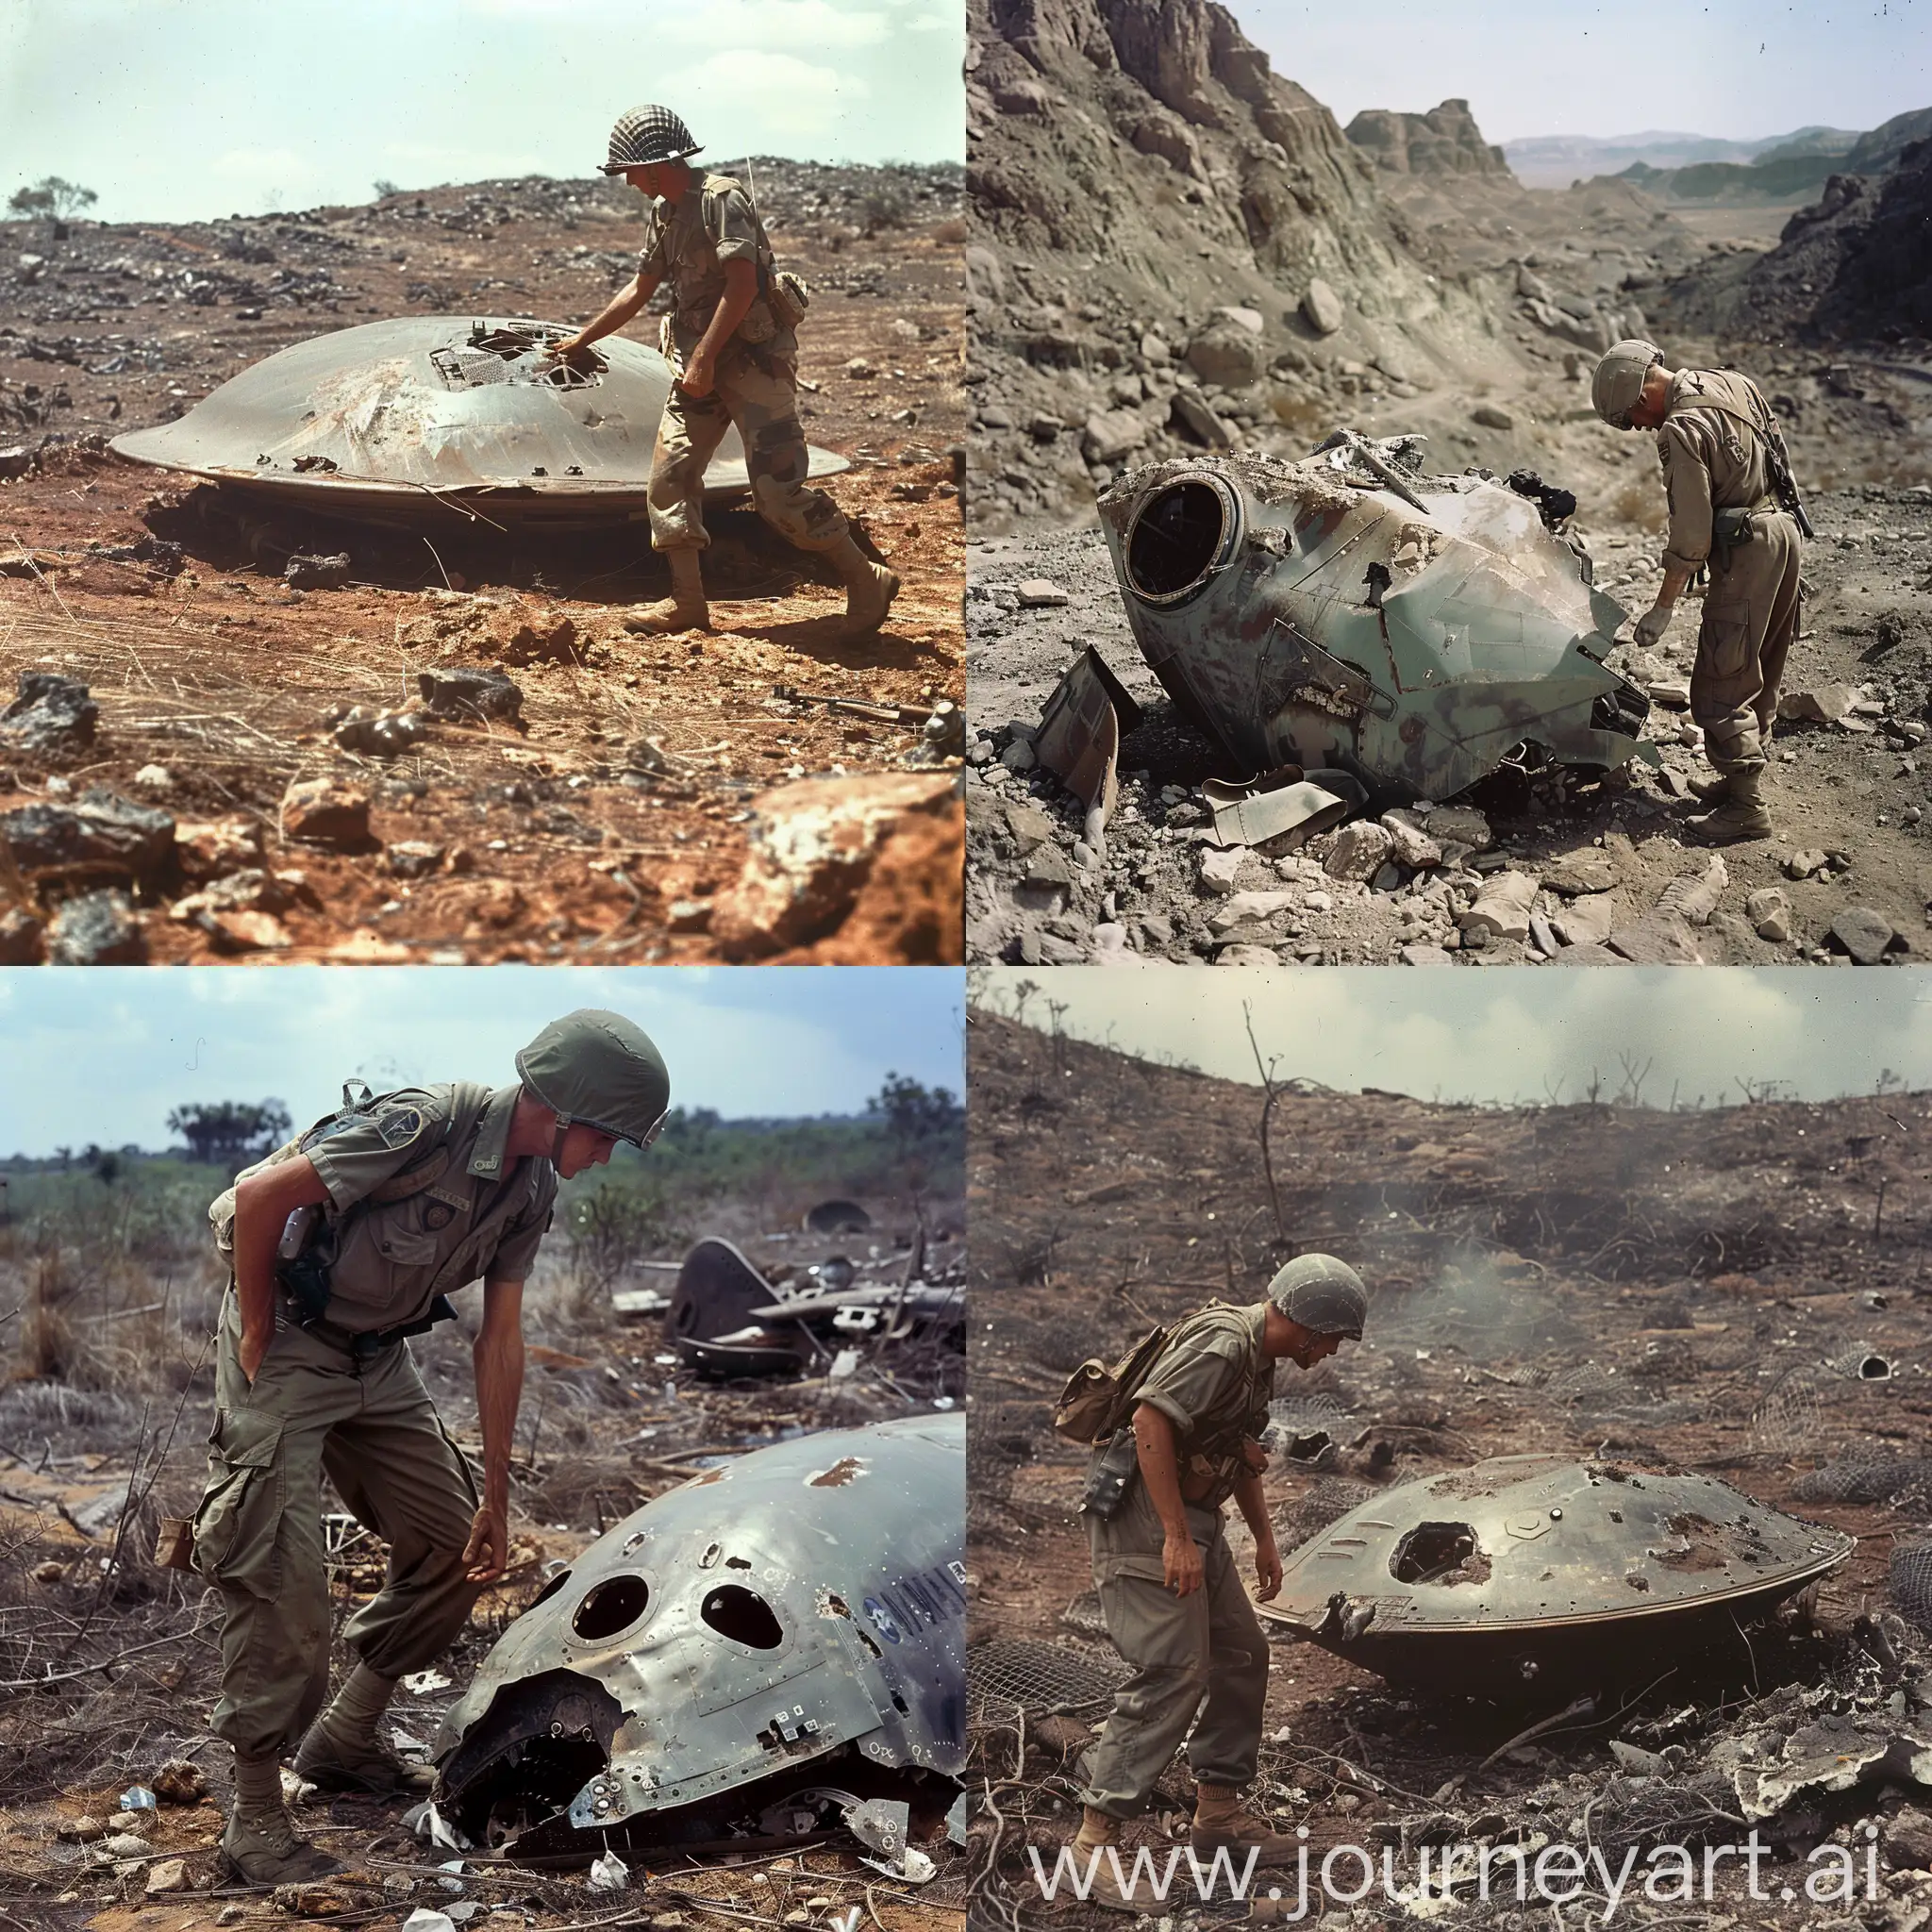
[1303,1346]
[584,1147]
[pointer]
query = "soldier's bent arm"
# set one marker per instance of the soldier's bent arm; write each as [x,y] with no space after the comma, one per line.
[741,292]
[1160,1460]
[620,311]
[498,1355]
[263,1202]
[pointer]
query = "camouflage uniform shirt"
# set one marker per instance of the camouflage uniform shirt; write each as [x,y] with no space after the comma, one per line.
[1214,1382]
[687,243]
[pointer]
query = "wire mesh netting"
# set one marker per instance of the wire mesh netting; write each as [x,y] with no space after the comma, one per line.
[1870,1476]
[1328,1498]
[1044,1679]
[1787,1417]
[1912,1583]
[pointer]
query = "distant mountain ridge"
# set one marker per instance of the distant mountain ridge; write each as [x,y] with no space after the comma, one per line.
[1554,160]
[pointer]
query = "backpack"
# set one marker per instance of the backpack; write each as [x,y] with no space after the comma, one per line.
[1098,1398]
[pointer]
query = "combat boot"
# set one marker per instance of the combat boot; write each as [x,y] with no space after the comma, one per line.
[1098,1839]
[1222,1824]
[1742,816]
[684,609]
[870,587]
[260,1845]
[1712,790]
[341,1752]
[360,1764]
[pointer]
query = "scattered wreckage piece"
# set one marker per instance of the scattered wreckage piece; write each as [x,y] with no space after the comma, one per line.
[726,1319]
[1087,715]
[837,1216]
[1281,810]
[430,420]
[1533,1574]
[743,1660]
[1347,612]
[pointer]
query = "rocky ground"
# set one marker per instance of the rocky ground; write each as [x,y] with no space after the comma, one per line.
[1142,286]
[1610,1279]
[631,806]
[608,1420]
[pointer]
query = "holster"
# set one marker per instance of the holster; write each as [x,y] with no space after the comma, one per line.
[1728,528]
[1112,1471]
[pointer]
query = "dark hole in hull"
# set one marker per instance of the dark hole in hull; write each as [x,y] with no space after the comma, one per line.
[1175,540]
[1431,1550]
[743,1616]
[610,1607]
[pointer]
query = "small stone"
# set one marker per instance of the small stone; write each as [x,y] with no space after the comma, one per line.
[1243,954]
[244,931]
[1191,414]
[1322,308]
[211,848]
[1084,856]
[1038,594]
[317,573]
[100,831]
[1768,902]
[1244,906]
[1801,865]
[1018,756]
[688,915]
[1576,872]
[1156,928]
[1218,868]
[1863,933]
[1419,954]
[1030,827]
[544,637]
[1659,940]
[83,1830]
[326,811]
[1460,824]
[1226,356]
[126,1844]
[381,734]
[1488,417]
[1360,849]
[179,1781]
[412,859]
[1587,920]
[1410,843]
[1695,896]
[1824,703]
[1908,1837]
[1500,909]
[1112,434]
[1542,937]
[155,778]
[99,930]
[470,695]
[167,1875]
[1249,319]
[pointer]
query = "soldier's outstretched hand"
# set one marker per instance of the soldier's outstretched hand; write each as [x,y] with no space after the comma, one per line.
[1180,1558]
[488,1550]
[1267,1572]
[1652,626]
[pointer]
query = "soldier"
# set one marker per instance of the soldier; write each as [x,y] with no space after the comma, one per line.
[1732,503]
[735,359]
[418,1193]
[1175,1606]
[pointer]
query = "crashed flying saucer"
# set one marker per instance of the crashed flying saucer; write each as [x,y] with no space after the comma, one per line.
[430,419]
[1528,1573]
[1348,613]
[747,1656]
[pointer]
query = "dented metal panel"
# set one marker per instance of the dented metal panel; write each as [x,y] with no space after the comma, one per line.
[1528,1571]
[1310,613]
[794,1617]
[425,418]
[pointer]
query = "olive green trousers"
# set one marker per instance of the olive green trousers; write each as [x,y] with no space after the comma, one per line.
[1750,618]
[369,1426]
[1203,1655]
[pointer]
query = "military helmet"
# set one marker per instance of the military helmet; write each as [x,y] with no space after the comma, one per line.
[1618,379]
[1322,1294]
[600,1068]
[647,135]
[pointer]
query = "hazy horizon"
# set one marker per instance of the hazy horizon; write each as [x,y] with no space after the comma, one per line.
[202,108]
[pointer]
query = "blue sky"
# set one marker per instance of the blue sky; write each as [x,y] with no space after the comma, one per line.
[186,109]
[1515,1035]
[1527,67]
[104,1056]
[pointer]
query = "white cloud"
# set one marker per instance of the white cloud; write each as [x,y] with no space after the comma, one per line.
[774,26]
[764,99]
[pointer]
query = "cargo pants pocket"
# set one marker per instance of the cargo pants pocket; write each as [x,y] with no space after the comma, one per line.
[1727,646]
[237,1523]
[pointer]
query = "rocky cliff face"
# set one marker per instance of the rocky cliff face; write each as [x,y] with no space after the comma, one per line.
[1174,245]
[1854,265]
[1445,140]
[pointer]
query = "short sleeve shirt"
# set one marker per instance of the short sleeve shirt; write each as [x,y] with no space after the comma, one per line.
[1213,1381]
[482,1214]
[687,243]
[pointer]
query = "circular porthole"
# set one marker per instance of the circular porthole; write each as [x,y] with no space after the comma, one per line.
[1180,535]
[611,1605]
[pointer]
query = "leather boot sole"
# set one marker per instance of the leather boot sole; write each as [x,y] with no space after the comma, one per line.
[864,614]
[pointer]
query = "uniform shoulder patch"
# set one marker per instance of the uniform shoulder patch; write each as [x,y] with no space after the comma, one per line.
[401,1126]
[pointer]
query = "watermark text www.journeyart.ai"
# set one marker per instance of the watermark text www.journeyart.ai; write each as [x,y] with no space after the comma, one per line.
[1553,1873]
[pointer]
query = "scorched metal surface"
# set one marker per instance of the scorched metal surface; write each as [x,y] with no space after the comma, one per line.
[408,421]
[1527,1572]
[1334,612]
[776,1636]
